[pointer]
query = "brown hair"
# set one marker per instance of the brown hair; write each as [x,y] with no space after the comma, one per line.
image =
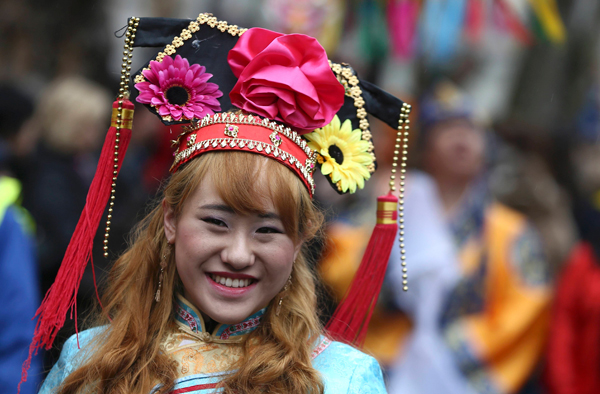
[126,357]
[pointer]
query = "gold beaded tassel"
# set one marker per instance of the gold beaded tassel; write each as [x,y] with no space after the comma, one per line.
[123,116]
[401,142]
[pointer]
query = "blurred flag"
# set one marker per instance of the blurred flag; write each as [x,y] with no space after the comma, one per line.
[322,19]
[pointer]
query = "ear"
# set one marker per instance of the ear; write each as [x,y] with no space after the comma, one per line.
[297,248]
[170,222]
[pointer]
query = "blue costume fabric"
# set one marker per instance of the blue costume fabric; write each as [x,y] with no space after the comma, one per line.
[205,358]
[19,294]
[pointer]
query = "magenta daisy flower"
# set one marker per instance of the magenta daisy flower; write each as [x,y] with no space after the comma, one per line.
[179,90]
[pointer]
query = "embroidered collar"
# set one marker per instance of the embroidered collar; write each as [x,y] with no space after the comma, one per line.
[188,317]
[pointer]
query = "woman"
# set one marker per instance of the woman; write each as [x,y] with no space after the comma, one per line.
[215,293]
[225,217]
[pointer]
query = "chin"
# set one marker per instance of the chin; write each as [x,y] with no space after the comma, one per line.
[230,318]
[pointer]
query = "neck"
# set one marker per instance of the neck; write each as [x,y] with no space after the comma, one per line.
[451,192]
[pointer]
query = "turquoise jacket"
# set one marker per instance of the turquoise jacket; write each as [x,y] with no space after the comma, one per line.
[344,369]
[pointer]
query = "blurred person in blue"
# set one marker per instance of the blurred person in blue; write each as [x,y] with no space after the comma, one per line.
[19,294]
[484,325]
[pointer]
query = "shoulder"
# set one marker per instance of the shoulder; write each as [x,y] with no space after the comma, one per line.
[346,369]
[79,344]
[74,353]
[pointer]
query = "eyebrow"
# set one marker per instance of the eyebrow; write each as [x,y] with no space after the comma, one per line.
[269,215]
[218,207]
[228,209]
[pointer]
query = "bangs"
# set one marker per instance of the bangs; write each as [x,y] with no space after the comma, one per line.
[247,181]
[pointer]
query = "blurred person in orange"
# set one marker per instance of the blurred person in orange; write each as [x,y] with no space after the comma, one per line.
[493,322]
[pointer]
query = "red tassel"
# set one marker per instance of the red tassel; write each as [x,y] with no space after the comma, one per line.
[63,293]
[350,320]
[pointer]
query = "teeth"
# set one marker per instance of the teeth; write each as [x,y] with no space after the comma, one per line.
[231,282]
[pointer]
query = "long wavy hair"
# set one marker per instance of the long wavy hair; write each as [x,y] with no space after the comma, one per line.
[126,358]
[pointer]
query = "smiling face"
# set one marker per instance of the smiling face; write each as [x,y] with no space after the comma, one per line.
[231,264]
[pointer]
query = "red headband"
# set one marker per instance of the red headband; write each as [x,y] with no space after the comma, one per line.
[231,132]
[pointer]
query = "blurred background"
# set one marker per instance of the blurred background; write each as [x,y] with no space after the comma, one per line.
[503,189]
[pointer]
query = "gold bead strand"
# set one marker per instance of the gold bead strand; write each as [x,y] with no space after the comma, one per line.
[403,128]
[123,95]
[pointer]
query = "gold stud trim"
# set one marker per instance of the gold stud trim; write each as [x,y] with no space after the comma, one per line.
[345,75]
[401,145]
[231,130]
[228,118]
[121,118]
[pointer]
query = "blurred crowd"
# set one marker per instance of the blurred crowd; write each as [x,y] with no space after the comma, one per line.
[502,206]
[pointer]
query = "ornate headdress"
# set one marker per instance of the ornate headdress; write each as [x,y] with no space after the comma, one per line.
[248,90]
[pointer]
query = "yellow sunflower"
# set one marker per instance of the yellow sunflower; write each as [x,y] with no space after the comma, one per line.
[343,155]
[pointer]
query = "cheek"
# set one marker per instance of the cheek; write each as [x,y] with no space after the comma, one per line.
[192,248]
[279,261]
[479,148]
[441,151]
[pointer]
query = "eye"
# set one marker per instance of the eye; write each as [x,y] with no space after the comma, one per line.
[213,221]
[269,230]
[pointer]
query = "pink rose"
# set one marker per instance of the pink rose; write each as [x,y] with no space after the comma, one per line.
[285,78]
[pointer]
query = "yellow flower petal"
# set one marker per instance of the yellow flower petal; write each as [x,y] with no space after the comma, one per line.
[336,174]
[326,168]
[335,123]
[360,182]
[352,187]
[345,184]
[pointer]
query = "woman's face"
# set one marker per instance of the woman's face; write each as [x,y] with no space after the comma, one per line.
[231,265]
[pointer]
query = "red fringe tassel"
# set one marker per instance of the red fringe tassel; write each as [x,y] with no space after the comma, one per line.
[63,294]
[350,320]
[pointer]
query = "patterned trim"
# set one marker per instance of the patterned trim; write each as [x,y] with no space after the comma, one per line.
[241,328]
[258,146]
[478,376]
[345,74]
[227,118]
[325,342]
[196,384]
[196,388]
[188,318]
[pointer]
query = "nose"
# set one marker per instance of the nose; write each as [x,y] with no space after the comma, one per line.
[238,253]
